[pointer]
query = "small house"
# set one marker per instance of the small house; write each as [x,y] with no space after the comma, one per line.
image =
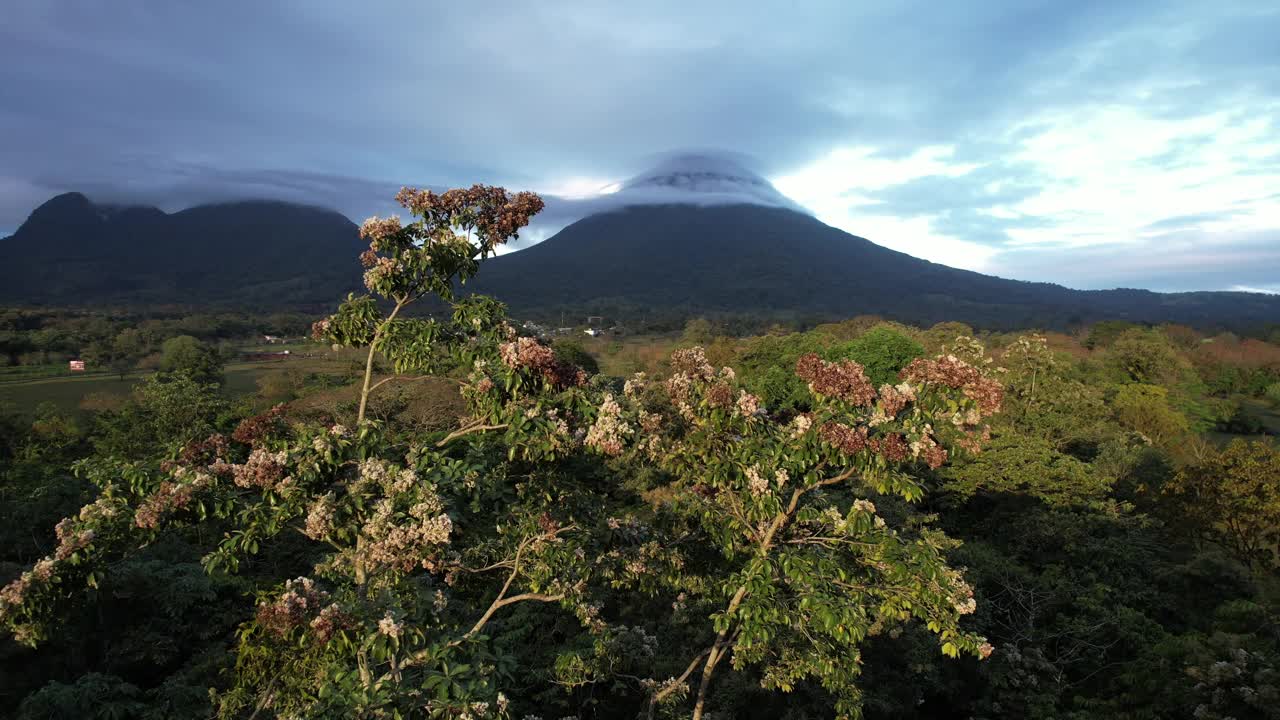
[76,365]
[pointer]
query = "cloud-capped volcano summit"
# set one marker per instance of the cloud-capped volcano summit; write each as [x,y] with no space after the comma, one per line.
[701,178]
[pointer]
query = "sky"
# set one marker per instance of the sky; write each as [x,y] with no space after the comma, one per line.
[1093,144]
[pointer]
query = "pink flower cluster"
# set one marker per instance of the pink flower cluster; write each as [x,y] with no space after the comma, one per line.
[13,594]
[376,229]
[928,449]
[961,592]
[380,271]
[693,363]
[529,354]
[300,599]
[389,626]
[609,431]
[264,469]
[492,212]
[329,621]
[526,352]
[171,497]
[320,329]
[634,385]
[72,538]
[800,425]
[409,542]
[748,405]
[845,380]
[320,518]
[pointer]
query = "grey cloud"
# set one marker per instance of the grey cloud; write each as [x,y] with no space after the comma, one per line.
[1179,222]
[328,102]
[988,186]
[1174,261]
[957,206]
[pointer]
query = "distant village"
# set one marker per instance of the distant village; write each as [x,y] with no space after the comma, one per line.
[593,327]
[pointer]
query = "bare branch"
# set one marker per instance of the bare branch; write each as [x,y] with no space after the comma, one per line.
[467,431]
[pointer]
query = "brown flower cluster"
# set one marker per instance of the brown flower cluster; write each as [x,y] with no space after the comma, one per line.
[848,440]
[953,372]
[212,449]
[720,396]
[494,214]
[845,380]
[252,429]
[300,599]
[892,447]
[894,400]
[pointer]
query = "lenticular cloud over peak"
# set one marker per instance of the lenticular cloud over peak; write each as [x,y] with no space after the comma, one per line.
[700,178]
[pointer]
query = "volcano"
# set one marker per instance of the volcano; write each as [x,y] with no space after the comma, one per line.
[704,235]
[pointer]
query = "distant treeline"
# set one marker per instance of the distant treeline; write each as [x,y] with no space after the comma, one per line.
[42,336]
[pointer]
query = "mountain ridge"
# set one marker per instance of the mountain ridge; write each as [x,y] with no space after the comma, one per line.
[674,258]
[256,253]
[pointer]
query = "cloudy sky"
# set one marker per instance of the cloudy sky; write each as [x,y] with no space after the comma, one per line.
[1096,144]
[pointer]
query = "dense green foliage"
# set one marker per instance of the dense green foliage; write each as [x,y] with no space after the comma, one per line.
[841,524]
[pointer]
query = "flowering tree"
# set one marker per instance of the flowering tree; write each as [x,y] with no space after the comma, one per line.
[778,542]
[454,231]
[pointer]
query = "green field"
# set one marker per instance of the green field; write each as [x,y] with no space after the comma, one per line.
[67,391]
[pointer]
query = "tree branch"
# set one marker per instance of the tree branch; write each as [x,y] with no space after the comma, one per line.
[405,378]
[679,682]
[467,431]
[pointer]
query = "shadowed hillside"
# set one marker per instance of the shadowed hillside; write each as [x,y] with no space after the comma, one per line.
[253,253]
[749,258]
